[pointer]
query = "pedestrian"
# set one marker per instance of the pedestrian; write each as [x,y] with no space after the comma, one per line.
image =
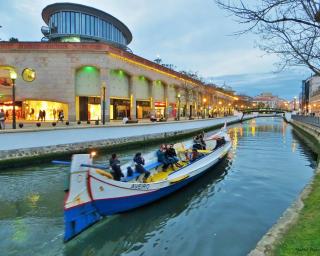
[40,115]
[44,115]
[61,115]
[2,120]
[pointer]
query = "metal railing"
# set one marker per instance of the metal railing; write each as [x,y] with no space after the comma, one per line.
[312,120]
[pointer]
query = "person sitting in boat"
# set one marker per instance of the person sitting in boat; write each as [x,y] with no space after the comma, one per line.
[139,161]
[197,143]
[161,154]
[202,142]
[115,165]
[195,155]
[171,155]
[220,142]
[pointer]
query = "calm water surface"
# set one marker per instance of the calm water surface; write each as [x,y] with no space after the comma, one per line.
[225,212]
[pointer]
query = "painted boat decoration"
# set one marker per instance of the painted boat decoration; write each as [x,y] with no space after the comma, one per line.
[93,194]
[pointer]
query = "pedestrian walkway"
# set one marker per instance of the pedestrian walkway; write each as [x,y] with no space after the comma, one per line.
[44,138]
[48,125]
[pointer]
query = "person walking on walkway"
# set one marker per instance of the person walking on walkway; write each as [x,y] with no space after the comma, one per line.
[2,119]
[40,115]
[44,115]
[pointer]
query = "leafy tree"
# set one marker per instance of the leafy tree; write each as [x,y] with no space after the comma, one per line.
[288,28]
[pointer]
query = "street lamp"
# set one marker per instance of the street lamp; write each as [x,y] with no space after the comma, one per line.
[179,97]
[103,104]
[204,107]
[13,76]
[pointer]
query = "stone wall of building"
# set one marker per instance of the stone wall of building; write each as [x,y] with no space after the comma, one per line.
[57,69]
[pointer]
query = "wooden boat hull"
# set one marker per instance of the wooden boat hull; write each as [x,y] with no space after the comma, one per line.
[100,196]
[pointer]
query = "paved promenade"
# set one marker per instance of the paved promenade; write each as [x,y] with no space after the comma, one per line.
[20,147]
[44,138]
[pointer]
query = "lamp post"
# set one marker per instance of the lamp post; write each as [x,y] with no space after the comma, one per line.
[204,107]
[294,103]
[179,97]
[13,76]
[103,105]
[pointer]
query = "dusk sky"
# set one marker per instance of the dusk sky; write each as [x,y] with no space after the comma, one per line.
[191,34]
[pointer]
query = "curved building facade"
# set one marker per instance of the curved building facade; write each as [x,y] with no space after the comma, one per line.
[68,22]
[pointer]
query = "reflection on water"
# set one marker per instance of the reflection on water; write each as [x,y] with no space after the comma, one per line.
[142,226]
[225,212]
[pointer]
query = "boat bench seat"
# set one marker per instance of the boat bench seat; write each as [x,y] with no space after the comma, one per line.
[137,174]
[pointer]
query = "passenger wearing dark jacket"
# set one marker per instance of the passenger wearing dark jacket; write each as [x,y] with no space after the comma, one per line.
[171,155]
[115,165]
[162,158]
[139,161]
[202,142]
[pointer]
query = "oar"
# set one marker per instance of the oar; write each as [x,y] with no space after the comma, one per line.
[61,162]
[103,167]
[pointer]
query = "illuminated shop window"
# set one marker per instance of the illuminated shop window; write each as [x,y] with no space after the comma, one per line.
[32,108]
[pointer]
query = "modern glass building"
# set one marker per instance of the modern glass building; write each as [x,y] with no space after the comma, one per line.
[68,22]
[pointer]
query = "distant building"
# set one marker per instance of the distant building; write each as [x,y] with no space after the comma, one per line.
[313,84]
[267,100]
[305,96]
[244,101]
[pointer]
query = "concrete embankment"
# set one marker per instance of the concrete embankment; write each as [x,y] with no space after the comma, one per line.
[21,148]
[268,243]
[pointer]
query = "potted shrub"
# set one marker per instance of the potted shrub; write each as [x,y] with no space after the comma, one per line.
[38,124]
[21,125]
[97,122]
[79,122]
[88,122]
[67,123]
[54,124]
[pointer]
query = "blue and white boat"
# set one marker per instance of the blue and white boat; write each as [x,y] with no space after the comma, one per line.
[93,194]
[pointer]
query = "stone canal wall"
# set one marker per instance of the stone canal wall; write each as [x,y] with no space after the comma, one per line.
[269,241]
[21,148]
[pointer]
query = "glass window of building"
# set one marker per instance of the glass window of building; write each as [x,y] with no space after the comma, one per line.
[87,24]
[59,22]
[83,24]
[64,20]
[96,22]
[77,23]
[100,28]
[68,20]
[72,23]
[68,23]
[92,26]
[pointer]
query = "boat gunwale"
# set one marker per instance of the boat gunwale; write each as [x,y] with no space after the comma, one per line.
[118,183]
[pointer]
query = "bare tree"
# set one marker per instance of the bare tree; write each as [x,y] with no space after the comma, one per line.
[288,28]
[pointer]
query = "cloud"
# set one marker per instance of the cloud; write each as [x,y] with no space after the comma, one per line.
[285,84]
[191,34]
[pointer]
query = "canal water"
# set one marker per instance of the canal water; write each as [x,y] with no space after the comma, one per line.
[225,212]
